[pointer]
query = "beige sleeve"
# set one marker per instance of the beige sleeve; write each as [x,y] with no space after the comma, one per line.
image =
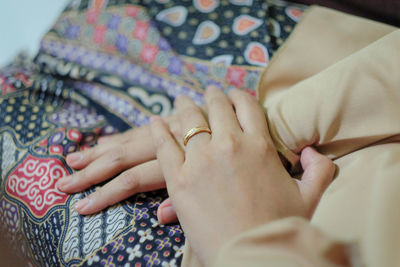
[284,243]
[365,220]
[338,90]
[347,105]
[334,85]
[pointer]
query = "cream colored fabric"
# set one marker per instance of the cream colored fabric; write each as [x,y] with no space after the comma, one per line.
[334,85]
[289,242]
[359,227]
[308,96]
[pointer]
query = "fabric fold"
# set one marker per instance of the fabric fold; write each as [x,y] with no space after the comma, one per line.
[321,92]
[334,85]
[284,243]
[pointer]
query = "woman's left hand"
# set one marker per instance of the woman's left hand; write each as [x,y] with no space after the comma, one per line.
[233,179]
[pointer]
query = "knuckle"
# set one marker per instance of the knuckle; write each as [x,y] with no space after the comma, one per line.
[117,155]
[229,146]
[89,154]
[86,178]
[124,138]
[129,180]
[262,145]
[80,175]
[161,142]
[101,198]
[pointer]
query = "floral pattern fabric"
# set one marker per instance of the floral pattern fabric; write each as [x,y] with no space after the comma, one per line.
[105,67]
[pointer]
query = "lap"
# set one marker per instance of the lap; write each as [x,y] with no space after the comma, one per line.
[105,67]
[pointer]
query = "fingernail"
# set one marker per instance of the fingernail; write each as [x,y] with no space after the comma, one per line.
[62,183]
[74,157]
[83,204]
[167,214]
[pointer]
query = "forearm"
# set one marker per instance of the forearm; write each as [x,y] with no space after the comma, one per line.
[287,242]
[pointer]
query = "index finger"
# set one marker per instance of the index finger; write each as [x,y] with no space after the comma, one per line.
[169,153]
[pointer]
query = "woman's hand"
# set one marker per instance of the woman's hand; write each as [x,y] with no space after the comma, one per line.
[132,154]
[233,179]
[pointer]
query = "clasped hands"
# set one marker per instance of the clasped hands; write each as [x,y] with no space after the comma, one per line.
[220,184]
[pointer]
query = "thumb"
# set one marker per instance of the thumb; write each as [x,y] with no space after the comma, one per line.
[318,174]
[166,212]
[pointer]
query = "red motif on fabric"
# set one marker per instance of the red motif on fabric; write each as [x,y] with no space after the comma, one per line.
[34,183]
[149,53]
[244,24]
[74,135]
[97,4]
[56,149]
[8,87]
[24,79]
[43,142]
[95,7]
[206,6]
[91,16]
[132,11]
[235,76]
[99,33]
[294,13]
[141,29]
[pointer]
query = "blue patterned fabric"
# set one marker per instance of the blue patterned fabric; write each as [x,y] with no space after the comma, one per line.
[105,67]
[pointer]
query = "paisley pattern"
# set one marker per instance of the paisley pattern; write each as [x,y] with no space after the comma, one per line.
[256,54]
[104,67]
[206,6]
[244,24]
[174,16]
[207,32]
[33,183]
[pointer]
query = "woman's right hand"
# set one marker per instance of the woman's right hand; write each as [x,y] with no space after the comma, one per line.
[130,155]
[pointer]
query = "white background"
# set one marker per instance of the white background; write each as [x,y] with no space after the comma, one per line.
[23,23]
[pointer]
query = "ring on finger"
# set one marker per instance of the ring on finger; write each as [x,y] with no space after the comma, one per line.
[196,130]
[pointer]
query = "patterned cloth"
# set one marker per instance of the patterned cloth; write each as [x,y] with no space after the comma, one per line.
[106,66]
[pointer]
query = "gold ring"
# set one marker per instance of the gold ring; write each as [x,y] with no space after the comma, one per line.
[192,132]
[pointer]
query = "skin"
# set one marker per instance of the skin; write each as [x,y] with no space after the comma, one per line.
[132,155]
[232,180]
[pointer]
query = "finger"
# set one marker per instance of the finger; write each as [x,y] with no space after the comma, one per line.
[318,174]
[190,116]
[249,113]
[80,160]
[222,117]
[142,178]
[109,138]
[169,154]
[111,162]
[166,212]
[125,136]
